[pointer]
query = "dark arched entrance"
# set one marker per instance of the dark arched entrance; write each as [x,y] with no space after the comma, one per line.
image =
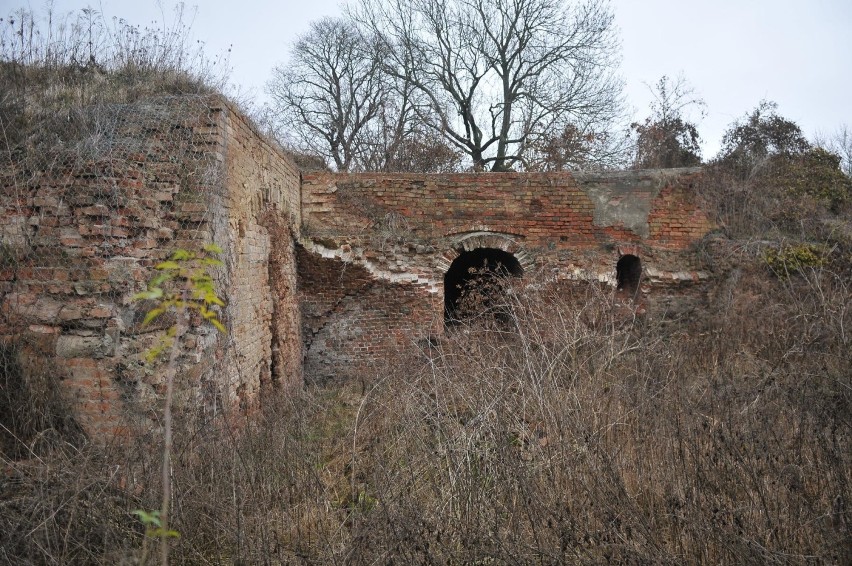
[473,281]
[628,273]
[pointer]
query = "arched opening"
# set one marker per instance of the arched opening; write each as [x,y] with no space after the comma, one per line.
[473,283]
[628,273]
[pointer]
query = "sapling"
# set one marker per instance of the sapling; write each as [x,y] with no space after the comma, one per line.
[183,284]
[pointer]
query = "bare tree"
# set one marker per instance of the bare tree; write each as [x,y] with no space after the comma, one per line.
[397,140]
[333,100]
[328,94]
[495,75]
[577,147]
[840,144]
[669,138]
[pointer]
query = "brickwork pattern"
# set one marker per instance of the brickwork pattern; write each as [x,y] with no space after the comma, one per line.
[385,238]
[83,230]
[676,220]
[353,320]
[563,209]
[261,195]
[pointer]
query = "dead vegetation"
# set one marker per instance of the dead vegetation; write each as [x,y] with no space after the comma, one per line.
[61,75]
[574,434]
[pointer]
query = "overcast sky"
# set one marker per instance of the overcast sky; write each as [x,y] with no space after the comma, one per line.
[734,52]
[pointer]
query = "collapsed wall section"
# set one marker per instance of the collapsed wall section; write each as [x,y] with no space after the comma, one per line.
[86,220]
[353,320]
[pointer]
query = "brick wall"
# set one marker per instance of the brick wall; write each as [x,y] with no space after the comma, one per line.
[84,225]
[564,209]
[257,219]
[354,320]
[374,242]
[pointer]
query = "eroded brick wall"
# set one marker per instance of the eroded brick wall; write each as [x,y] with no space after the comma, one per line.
[353,320]
[258,219]
[373,241]
[83,228]
[568,209]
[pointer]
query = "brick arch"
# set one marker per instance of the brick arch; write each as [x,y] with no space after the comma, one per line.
[473,288]
[468,241]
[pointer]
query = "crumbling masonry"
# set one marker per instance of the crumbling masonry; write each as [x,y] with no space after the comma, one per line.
[325,274]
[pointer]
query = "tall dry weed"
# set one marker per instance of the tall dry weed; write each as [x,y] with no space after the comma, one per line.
[571,433]
[580,435]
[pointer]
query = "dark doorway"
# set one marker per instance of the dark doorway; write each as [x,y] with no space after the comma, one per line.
[628,273]
[473,285]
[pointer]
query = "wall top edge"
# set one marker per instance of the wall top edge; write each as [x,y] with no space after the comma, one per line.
[581,176]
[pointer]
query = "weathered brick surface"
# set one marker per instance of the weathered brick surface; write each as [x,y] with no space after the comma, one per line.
[353,320]
[83,230]
[262,193]
[563,209]
[376,247]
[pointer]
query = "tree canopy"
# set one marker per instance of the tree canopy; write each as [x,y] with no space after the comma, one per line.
[668,138]
[486,79]
[759,135]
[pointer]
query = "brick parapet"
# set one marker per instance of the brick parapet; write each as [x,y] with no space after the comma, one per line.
[547,209]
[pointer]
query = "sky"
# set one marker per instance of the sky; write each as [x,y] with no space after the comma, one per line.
[734,53]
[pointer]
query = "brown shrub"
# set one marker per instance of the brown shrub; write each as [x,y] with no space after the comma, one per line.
[577,433]
[580,437]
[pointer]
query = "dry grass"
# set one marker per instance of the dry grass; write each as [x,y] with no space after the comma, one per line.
[58,73]
[572,433]
[576,437]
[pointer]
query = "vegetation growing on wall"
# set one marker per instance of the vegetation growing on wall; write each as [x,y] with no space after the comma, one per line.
[769,182]
[54,69]
[668,138]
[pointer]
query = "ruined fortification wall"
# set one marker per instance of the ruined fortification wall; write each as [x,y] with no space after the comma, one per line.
[371,240]
[85,223]
[353,320]
[83,227]
[258,220]
[655,208]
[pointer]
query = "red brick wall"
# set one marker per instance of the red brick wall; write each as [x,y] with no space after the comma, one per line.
[676,221]
[83,228]
[353,320]
[563,208]
[375,242]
